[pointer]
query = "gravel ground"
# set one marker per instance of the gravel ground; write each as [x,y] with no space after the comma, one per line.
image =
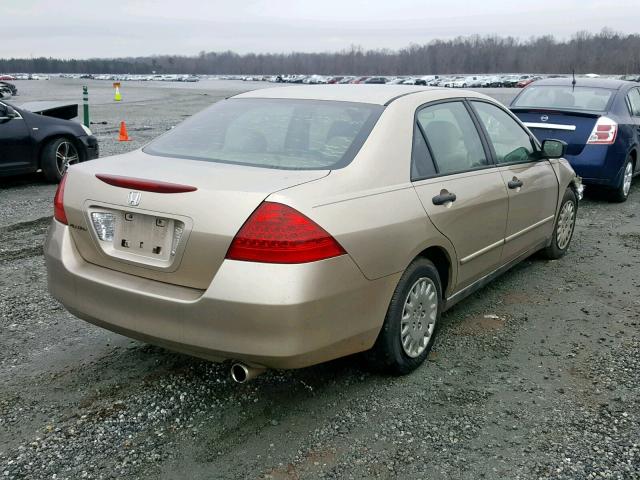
[534,377]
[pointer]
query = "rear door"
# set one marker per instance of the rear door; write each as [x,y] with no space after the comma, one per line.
[531,181]
[15,142]
[460,189]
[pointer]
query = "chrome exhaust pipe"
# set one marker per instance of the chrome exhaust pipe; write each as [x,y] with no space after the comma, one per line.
[241,372]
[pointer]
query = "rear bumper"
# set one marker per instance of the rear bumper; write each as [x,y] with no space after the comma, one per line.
[279,316]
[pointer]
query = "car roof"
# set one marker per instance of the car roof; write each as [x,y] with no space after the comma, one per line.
[374,94]
[585,82]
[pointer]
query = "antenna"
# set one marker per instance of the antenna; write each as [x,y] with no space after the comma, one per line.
[573,82]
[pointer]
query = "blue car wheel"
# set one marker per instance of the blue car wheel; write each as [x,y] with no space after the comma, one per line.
[621,192]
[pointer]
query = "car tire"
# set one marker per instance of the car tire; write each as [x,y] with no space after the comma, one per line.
[56,156]
[564,228]
[621,192]
[419,283]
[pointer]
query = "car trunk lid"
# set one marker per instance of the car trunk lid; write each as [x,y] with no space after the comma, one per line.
[573,128]
[153,231]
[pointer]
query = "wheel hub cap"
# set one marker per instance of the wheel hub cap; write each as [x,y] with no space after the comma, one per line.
[565,225]
[419,317]
[628,175]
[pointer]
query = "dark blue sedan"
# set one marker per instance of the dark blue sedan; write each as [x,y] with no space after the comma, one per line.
[599,119]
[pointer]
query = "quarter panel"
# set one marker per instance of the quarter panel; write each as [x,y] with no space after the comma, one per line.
[382,232]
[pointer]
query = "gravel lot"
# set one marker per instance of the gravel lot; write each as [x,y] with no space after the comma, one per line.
[534,377]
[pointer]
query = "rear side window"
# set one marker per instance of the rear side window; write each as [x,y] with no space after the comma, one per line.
[272,133]
[564,97]
[510,142]
[453,138]
[421,162]
[634,102]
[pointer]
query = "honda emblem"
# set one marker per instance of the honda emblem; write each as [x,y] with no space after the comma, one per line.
[134,199]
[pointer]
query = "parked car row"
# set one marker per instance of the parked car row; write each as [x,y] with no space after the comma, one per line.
[454,81]
[24,76]
[459,81]
[138,78]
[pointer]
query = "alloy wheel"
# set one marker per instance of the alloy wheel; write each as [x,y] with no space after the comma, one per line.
[66,154]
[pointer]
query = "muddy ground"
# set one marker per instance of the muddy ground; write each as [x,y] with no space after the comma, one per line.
[535,376]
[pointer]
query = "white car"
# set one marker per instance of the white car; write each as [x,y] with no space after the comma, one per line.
[460,82]
[315,80]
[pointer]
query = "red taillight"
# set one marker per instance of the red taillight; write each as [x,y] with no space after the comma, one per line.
[144,184]
[276,233]
[58,202]
[604,132]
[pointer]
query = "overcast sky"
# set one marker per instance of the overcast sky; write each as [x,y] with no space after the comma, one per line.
[114,28]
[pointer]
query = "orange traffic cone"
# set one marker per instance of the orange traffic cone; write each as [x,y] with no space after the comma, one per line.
[124,136]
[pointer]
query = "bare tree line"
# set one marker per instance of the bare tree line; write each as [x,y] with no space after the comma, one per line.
[604,52]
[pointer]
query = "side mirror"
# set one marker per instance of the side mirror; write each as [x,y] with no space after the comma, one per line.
[553,148]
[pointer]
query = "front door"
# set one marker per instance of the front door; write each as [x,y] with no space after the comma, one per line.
[530,180]
[460,189]
[15,141]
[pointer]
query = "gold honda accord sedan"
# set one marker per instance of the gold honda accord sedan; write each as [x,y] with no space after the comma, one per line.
[289,226]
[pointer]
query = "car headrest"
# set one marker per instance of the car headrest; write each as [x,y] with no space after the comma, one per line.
[444,133]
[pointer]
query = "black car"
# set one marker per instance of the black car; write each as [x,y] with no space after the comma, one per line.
[7,89]
[30,142]
[376,80]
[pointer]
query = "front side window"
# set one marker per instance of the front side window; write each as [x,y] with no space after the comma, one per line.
[634,102]
[272,133]
[453,138]
[510,141]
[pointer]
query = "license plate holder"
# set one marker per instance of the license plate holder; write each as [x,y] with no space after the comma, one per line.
[144,235]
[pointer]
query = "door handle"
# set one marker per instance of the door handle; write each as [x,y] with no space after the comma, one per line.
[443,198]
[515,183]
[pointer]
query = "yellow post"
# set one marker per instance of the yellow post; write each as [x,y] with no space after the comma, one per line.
[117,97]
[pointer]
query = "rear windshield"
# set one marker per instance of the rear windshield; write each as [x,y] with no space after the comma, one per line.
[565,98]
[272,133]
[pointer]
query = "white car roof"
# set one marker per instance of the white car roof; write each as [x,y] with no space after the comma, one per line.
[375,94]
